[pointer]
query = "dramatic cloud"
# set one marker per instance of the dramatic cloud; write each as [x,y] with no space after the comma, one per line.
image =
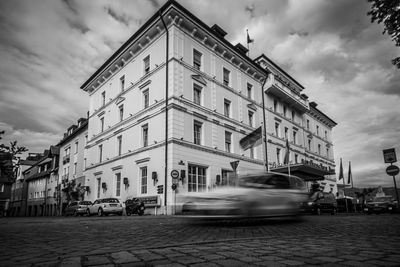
[49,48]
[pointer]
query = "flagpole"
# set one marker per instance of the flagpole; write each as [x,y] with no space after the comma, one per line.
[341,176]
[248,47]
[351,175]
[264,128]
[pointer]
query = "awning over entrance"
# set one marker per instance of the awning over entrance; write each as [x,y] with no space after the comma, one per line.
[307,172]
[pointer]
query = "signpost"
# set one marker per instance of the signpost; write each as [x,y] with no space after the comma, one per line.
[234,165]
[389,155]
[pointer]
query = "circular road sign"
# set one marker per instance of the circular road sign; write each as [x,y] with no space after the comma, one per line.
[174,174]
[392,170]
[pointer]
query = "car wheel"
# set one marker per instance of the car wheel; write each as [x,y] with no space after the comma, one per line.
[100,212]
[88,212]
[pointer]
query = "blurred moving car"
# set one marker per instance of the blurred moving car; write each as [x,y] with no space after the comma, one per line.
[134,206]
[76,208]
[105,206]
[320,202]
[256,195]
[380,205]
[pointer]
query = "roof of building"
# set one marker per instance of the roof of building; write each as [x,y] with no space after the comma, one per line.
[314,105]
[82,125]
[279,68]
[215,30]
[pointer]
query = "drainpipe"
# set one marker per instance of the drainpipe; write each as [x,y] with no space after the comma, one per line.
[166,113]
[264,125]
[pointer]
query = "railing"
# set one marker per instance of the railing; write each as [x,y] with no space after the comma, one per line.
[66,159]
[272,81]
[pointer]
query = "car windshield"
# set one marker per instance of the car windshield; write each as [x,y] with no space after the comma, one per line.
[85,203]
[265,181]
[316,195]
[110,200]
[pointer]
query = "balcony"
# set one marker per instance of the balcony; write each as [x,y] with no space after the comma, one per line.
[65,177]
[275,87]
[66,159]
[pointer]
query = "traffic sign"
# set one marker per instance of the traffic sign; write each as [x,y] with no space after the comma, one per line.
[174,174]
[234,165]
[389,155]
[392,170]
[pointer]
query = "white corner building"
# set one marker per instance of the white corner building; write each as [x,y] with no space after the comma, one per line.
[172,103]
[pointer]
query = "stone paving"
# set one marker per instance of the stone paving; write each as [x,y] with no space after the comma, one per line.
[343,240]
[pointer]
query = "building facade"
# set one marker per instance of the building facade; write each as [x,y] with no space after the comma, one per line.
[6,181]
[41,181]
[171,105]
[72,183]
[19,188]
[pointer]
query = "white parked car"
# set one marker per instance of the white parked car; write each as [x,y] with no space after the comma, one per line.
[105,206]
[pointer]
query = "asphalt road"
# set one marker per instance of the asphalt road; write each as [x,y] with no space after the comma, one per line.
[341,240]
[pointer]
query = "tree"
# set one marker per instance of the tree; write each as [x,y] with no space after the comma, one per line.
[14,150]
[388,13]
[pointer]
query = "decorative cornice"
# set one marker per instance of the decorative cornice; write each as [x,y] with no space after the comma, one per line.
[117,167]
[146,83]
[200,79]
[143,160]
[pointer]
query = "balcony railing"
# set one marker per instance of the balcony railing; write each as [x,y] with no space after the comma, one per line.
[66,159]
[275,87]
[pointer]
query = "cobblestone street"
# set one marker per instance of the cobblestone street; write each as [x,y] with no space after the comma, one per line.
[345,240]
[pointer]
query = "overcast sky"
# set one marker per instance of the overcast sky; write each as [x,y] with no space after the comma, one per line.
[49,48]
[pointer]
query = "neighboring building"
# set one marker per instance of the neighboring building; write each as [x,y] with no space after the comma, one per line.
[6,180]
[42,179]
[143,126]
[72,163]
[19,187]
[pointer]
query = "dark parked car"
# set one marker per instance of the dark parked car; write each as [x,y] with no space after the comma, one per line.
[380,205]
[134,206]
[320,202]
[77,208]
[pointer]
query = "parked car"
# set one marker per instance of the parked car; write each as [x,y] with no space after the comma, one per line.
[343,207]
[320,202]
[76,208]
[263,194]
[134,206]
[380,205]
[105,206]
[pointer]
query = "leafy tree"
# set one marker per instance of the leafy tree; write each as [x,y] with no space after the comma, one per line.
[14,150]
[388,13]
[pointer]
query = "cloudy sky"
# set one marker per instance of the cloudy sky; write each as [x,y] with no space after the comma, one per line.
[49,48]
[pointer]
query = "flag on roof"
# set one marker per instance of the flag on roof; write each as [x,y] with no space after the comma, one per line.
[350,175]
[341,170]
[249,40]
